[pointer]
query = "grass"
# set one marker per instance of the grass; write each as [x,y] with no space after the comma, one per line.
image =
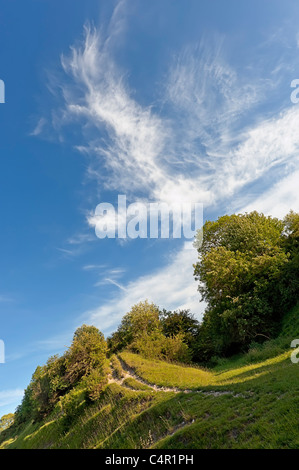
[116,366]
[259,410]
[165,374]
[135,384]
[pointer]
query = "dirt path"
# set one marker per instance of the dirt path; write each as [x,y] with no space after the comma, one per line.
[128,372]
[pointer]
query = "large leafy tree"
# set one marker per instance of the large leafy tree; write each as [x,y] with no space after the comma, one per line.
[242,259]
[143,318]
[290,279]
[154,334]
[84,365]
[180,322]
[87,352]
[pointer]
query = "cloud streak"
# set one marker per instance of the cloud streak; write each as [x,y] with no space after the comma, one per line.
[200,149]
[214,138]
[170,287]
[10,397]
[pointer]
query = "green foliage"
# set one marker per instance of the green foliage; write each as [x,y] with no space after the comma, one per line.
[116,366]
[71,405]
[158,346]
[47,384]
[84,363]
[180,322]
[155,334]
[242,269]
[289,284]
[95,382]
[87,352]
[235,405]
[143,318]
[27,409]
[6,421]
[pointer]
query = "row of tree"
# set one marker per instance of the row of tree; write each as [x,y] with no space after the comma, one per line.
[81,373]
[83,367]
[156,334]
[248,273]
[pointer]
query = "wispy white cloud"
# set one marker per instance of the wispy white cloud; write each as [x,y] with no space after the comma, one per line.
[214,103]
[91,267]
[111,281]
[271,145]
[11,397]
[80,238]
[76,245]
[209,143]
[279,199]
[199,150]
[111,276]
[170,287]
[209,96]
[39,127]
[134,135]
[66,252]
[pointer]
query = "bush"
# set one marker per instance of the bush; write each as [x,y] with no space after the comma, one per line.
[158,346]
[72,404]
[94,384]
[87,352]
[85,360]
[142,319]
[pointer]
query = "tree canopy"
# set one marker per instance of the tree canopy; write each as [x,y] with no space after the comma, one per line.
[6,421]
[244,262]
[83,365]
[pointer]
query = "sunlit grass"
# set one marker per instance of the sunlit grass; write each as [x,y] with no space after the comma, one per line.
[178,376]
[260,409]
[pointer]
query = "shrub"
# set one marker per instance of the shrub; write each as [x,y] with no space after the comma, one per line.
[94,384]
[71,404]
[142,319]
[158,346]
[87,352]
[85,359]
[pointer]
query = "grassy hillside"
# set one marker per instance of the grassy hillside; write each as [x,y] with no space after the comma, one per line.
[248,401]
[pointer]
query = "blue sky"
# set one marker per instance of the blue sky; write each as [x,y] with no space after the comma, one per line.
[161,101]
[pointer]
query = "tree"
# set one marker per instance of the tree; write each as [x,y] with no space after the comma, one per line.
[83,364]
[241,263]
[180,322]
[156,345]
[290,280]
[27,409]
[87,352]
[143,318]
[147,331]
[6,421]
[48,383]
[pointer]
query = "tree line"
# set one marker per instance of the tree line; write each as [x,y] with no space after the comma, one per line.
[248,275]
